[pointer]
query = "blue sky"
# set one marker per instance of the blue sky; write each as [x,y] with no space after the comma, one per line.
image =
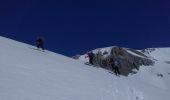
[75,26]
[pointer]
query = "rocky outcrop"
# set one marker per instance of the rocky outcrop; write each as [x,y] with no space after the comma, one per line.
[129,59]
[76,57]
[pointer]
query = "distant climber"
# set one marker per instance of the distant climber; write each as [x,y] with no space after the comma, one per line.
[40,42]
[115,64]
[91,57]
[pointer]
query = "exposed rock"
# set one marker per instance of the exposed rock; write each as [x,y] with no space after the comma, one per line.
[148,50]
[160,75]
[168,62]
[129,59]
[76,56]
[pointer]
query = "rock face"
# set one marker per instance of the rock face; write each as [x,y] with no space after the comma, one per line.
[129,59]
[76,57]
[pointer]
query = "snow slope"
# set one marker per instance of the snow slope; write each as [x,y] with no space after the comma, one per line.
[29,74]
[161,54]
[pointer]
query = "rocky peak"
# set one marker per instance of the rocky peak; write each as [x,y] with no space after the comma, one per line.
[129,58]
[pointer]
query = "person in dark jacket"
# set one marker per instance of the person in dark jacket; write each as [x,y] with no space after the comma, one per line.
[91,57]
[115,66]
[40,42]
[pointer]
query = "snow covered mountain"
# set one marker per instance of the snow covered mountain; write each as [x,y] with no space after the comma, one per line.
[29,74]
[129,59]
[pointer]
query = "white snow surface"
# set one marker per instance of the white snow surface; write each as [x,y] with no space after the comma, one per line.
[136,54]
[29,74]
[161,54]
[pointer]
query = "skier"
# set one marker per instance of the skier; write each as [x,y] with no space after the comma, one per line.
[40,42]
[91,57]
[115,66]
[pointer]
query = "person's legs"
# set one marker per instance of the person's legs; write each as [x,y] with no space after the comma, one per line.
[91,61]
[38,46]
[42,47]
[116,71]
